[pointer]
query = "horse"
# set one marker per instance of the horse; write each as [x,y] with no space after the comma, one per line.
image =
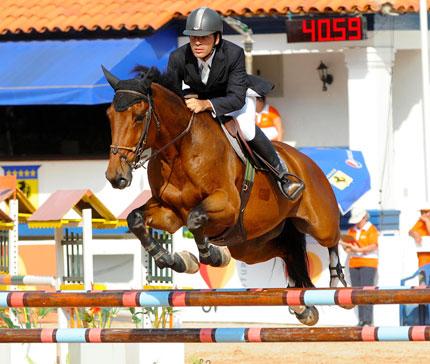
[196,178]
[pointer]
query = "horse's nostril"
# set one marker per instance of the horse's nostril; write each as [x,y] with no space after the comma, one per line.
[122,182]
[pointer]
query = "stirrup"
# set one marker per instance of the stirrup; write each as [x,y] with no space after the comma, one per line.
[284,181]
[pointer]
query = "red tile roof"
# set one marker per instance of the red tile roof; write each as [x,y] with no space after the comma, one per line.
[4,217]
[53,211]
[137,202]
[25,207]
[25,16]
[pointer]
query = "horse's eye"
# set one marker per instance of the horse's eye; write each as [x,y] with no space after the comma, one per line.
[138,118]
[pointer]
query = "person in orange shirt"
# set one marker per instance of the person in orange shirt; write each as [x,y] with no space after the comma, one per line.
[361,244]
[420,229]
[269,120]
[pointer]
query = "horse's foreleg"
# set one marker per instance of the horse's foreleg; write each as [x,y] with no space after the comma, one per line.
[210,254]
[219,208]
[216,209]
[166,219]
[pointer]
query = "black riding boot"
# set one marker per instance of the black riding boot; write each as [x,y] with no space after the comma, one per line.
[290,187]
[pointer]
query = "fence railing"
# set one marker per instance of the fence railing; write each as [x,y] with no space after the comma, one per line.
[72,243]
[73,252]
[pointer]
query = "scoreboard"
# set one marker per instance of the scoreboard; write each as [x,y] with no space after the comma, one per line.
[326,29]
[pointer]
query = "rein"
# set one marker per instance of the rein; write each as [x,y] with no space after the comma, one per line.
[138,150]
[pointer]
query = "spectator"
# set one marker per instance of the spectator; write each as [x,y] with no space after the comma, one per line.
[420,229]
[361,244]
[269,120]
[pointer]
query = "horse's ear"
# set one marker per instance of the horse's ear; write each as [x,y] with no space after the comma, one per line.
[113,81]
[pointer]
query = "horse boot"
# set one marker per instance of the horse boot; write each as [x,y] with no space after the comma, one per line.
[291,188]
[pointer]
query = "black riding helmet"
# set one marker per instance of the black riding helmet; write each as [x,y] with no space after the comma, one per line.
[203,21]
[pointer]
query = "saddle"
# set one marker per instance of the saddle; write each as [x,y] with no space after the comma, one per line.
[245,152]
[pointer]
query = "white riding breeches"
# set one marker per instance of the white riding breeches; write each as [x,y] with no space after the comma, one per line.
[246,116]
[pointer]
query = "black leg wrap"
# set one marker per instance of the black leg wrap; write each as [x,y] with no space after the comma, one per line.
[339,273]
[135,220]
[164,261]
[214,258]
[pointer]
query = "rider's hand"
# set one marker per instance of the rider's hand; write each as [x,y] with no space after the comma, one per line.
[425,217]
[196,105]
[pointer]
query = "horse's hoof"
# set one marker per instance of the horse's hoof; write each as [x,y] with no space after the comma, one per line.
[225,256]
[197,219]
[309,316]
[219,256]
[347,307]
[190,264]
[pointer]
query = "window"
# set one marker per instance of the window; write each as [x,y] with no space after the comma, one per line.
[54,132]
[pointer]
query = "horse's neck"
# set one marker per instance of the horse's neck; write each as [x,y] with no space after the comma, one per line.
[172,114]
[174,119]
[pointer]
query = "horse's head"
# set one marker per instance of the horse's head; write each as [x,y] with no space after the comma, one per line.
[130,116]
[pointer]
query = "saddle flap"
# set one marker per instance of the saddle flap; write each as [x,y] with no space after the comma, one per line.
[232,126]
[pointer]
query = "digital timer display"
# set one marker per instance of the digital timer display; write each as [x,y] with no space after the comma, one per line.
[333,29]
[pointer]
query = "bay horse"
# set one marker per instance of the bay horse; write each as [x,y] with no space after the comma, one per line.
[196,177]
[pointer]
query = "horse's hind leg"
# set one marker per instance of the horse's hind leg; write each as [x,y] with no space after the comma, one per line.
[336,272]
[162,218]
[297,267]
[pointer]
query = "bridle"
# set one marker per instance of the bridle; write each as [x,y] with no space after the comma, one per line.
[139,160]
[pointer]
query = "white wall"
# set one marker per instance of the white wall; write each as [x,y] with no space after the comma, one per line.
[310,116]
[408,173]
[64,175]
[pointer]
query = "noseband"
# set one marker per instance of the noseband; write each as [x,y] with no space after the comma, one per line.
[139,160]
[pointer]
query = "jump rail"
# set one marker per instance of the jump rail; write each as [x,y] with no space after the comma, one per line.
[223,297]
[8,280]
[216,335]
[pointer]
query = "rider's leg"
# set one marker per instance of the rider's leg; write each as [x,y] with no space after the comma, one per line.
[264,147]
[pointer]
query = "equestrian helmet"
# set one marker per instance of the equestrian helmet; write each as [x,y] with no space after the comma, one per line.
[203,21]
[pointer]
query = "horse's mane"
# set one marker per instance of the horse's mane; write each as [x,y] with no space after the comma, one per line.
[153,74]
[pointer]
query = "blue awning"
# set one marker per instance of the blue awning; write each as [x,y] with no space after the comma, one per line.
[69,72]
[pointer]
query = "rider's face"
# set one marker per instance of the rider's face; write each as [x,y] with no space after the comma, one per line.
[202,46]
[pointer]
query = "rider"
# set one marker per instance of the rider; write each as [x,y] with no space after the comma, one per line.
[214,69]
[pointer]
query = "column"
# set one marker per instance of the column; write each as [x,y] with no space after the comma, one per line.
[370,115]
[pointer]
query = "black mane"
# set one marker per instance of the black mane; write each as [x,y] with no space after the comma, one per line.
[153,74]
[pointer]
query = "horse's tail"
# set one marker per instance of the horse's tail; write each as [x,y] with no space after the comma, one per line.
[296,258]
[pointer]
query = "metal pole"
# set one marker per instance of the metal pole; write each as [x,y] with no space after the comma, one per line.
[426,95]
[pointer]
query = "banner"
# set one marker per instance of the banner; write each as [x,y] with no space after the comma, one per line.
[27,180]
